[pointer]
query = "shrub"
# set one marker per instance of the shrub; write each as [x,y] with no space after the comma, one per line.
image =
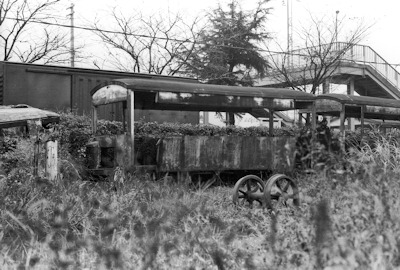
[73,132]
[173,129]
[142,224]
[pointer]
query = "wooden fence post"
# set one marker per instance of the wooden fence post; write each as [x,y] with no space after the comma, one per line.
[36,156]
[51,160]
[33,129]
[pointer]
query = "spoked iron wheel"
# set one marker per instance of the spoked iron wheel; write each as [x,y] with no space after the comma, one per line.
[281,188]
[249,189]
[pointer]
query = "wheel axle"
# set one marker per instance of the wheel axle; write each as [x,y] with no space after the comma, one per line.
[279,187]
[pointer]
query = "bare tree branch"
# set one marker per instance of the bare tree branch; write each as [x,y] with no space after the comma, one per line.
[151,44]
[21,43]
[306,69]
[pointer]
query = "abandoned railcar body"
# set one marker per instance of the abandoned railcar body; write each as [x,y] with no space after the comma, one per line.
[20,115]
[192,156]
[58,88]
[385,112]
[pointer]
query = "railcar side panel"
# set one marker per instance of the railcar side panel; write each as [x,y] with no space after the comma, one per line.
[219,153]
[58,88]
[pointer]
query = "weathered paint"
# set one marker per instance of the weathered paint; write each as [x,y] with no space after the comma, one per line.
[283,104]
[333,106]
[124,156]
[219,153]
[258,101]
[19,115]
[212,100]
[167,96]
[228,101]
[187,96]
[176,86]
[69,89]
[327,105]
[382,110]
[361,100]
[51,171]
[109,94]
[169,153]
[121,145]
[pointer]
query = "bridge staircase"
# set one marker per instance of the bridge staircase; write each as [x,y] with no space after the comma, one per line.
[363,67]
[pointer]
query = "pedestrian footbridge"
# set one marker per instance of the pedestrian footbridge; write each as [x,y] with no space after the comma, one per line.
[360,67]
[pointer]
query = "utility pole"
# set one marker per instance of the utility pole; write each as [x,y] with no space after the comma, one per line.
[336,26]
[72,42]
[289,23]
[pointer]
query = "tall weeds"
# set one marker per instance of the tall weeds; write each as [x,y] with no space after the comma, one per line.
[347,220]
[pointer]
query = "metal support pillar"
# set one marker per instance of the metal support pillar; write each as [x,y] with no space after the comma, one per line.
[94,119]
[350,91]
[271,122]
[342,127]
[131,124]
[362,122]
[326,86]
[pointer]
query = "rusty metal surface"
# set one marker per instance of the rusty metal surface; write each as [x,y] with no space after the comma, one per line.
[388,113]
[361,100]
[163,94]
[219,102]
[18,115]
[201,153]
[145,85]
[327,105]
[69,88]
[123,151]
[109,94]
[114,150]
[374,108]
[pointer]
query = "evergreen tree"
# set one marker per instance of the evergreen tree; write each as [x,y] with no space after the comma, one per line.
[227,51]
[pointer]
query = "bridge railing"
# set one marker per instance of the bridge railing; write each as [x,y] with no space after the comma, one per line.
[365,55]
[353,53]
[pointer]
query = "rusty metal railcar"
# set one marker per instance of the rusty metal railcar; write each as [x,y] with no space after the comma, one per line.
[216,154]
[58,88]
[360,107]
[198,154]
[28,120]
[20,115]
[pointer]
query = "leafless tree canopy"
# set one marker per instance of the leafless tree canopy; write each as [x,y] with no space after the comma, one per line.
[148,44]
[306,69]
[45,44]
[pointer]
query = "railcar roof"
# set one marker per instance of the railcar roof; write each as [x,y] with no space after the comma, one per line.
[162,85]
[160,94]
[17,115]
[361,100]
[373,108]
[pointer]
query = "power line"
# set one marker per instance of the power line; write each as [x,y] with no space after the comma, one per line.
[99,30]
[143,36]
[171,39]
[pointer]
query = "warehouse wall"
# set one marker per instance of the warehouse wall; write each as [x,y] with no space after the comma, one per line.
[68,89]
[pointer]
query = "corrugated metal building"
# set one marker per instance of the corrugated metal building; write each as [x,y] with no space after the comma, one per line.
[59,88]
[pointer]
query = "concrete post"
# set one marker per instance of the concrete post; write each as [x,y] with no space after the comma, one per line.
[51,160]
[326,86]
[271,122]
[206,118]
[131,126]
[350,91]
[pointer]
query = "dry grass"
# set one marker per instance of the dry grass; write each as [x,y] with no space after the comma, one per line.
[346,220]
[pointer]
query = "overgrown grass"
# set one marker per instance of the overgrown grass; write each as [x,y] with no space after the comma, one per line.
[349,218]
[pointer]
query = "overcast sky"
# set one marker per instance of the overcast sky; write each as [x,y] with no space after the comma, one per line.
[383,15]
